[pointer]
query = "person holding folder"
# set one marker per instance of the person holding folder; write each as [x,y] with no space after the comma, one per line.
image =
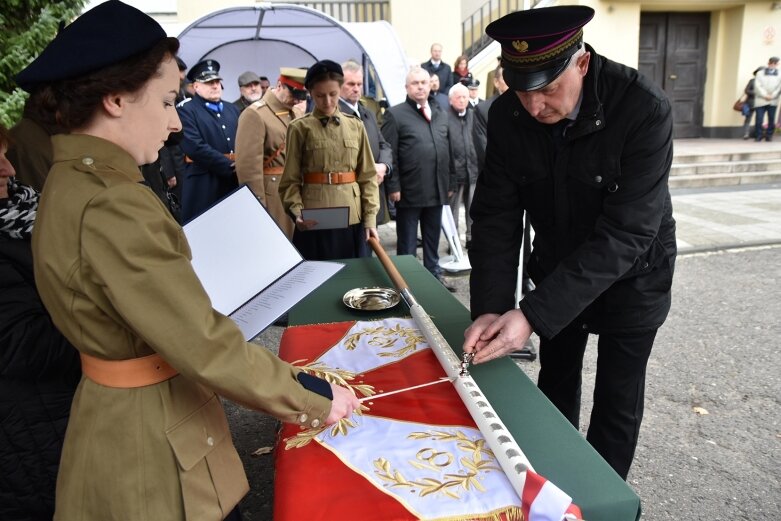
[147,436]
[329,165]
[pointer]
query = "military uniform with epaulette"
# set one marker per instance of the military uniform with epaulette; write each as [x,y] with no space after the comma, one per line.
[260,153]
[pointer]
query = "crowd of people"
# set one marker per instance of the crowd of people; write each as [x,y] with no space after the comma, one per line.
[104,317]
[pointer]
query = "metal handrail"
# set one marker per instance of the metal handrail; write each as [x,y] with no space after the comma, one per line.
[473,37]
[346,11]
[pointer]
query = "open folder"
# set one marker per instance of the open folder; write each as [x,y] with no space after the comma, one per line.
[248,267]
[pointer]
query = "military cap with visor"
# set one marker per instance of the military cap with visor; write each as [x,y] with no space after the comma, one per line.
[537,44]
[205,70]
[293,78]
[106,34]
[320,68]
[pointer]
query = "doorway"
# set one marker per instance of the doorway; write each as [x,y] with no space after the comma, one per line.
[673,52]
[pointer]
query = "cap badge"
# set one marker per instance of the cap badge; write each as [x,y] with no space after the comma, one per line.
[520,46]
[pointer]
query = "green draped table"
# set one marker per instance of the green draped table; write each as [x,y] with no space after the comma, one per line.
[555,448]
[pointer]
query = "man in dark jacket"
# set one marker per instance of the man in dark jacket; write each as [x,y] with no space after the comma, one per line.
[422,179]
[584,145]
[350,103]
[435,65]
[209,128]
[463,158]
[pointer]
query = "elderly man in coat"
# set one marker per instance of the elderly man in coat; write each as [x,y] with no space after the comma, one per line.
[584,145]
[209,141]
[423,179]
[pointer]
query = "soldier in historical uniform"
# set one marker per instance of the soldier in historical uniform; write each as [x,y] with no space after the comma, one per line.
[330,164]
[147,437]
[260,142]
[209,142]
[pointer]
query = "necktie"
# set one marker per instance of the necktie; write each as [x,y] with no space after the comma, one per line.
[422,110]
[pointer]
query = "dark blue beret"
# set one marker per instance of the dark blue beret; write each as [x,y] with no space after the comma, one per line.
[104,35]
[538,43]
[321,67]
[203,71]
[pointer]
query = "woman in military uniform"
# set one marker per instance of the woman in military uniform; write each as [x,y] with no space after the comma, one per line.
[330,164]
[147,437]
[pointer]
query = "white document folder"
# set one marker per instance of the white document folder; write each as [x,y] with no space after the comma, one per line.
[248,267]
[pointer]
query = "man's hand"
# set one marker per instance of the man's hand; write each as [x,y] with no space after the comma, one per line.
[382,170]
[371,232]
[343,404]
[395,196]
[492,336]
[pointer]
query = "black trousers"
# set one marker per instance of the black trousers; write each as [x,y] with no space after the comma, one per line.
[619,390]
[430,219]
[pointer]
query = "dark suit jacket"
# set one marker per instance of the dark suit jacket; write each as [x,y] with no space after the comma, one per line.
[381,150]
[444,72]
[421,155]
[207,138]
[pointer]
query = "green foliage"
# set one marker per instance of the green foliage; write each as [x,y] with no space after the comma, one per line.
[26,27]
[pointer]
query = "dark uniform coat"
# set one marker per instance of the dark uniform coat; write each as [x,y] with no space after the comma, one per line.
[113,269]
[208,136]
[39,371]
[381,150]
[463,156]
[260,140]
[421,155]
[604,247]
[480,130]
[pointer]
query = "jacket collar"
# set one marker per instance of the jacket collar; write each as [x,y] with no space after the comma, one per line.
[591,116]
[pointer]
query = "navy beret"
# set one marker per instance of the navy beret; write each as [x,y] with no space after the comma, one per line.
[538,43]
[104,35]
[206,70]
[321,67]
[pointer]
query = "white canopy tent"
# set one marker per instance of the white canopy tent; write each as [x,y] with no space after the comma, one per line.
[265,37]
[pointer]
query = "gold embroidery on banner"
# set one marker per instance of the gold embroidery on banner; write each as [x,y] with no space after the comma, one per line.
[479,459]
[385,338]
[338,377]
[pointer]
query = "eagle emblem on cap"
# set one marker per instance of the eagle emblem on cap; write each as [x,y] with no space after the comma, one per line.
[520,46]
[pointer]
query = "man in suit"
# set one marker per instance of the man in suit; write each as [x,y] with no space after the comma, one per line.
[463,157]
[439,97]
[440,68]
[261,140]
[350,103]
[423,179]
[209,128]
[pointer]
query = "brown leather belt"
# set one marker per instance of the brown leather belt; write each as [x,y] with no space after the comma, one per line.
[127,374]
[329,178]
[231,157]
[273,170]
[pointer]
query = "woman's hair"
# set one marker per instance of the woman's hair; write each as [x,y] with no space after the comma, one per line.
[463,57]
[5,137]
[71,103]
[325,76]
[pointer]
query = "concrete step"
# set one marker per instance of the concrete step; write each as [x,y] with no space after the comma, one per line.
[694,167]
[725,179]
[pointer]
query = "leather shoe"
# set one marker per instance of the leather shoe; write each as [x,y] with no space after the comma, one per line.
[451,289]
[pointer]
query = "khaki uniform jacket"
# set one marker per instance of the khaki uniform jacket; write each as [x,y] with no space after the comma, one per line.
[260,138]
[339,146]
[113,269]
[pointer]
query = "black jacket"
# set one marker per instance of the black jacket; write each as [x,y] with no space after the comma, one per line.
[444,72]
[421,155]
[480,129]
[463,156]
[39,371]
[604,246]
[381,150]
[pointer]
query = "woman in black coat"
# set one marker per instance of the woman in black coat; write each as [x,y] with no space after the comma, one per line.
[39,369]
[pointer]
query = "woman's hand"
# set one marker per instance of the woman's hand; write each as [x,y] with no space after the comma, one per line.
[303,225]
[342,405]
[371,232]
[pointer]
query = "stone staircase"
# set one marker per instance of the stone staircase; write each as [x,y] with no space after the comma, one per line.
[699,163]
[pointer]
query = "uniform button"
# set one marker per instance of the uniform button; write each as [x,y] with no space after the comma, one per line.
[223,126]
[88,161]
[584,326]
[645,266]
[598,179]
[210,441]
[315,423]
[515,114]
[273,178]
[598,122]
[228,138]
[303,418]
